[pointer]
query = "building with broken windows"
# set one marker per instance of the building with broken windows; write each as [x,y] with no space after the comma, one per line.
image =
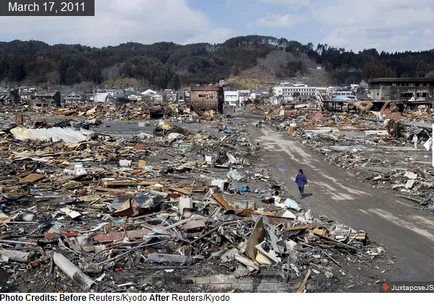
[45,99]
[404,89]
[207,98]
[27,93]
[75,97]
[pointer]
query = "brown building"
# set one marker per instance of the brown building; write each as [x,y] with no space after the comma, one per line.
[405,89]
[40,103]
[46,99]
[207,98]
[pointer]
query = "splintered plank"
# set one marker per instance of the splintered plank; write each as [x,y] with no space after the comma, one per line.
[303,284]
[32,178]
[336,243]
[298,228]
[221,201]
[185,191]
[117,190]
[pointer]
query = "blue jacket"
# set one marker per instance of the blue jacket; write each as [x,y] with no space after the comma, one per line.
[301,180]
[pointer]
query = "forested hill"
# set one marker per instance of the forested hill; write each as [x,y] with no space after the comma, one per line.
[169,65]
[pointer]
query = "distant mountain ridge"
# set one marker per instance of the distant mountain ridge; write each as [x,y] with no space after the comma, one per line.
[169,65]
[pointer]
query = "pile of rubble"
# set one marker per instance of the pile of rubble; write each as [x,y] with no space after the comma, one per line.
[391,154]
[170,211]
[93,114]
[383,161]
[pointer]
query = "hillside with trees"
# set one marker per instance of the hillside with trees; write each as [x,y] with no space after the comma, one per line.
[169,65]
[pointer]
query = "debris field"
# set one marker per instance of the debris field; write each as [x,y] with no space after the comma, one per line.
[389,150]
[171,210]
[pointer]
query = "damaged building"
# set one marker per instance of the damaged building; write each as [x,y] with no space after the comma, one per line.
[207,98]
[46,99]
[404,89]
[5,96]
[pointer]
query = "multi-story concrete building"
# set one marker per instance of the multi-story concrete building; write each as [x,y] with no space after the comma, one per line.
[207,98]
[406,89]
[294,90]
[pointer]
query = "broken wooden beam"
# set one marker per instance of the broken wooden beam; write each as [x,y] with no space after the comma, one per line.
[299,228]
[117,190]
[337,243]
[303,284]
[221,201]
[332,259]
[185,191]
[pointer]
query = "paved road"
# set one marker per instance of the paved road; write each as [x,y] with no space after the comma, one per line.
[405,233]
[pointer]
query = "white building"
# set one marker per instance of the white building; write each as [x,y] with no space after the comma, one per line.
[149,92]
[294,90]
[343,93]
[102,97]
[244,95]
[115,92]
[232,97]
[338,90]
[73,97]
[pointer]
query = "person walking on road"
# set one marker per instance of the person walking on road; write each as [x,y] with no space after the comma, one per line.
[301,181]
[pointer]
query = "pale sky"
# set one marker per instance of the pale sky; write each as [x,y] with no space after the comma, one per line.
[389,25]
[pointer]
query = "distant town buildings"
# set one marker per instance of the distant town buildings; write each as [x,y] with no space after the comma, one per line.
[214,97]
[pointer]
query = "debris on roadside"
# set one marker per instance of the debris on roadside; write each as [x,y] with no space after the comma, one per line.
[169,209]
[388,151]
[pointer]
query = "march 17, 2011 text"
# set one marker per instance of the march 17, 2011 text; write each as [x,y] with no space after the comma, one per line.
[47,8]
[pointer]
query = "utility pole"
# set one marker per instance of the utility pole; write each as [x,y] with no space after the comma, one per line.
[432,139]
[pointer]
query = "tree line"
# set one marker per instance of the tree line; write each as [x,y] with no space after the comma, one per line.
[169,65]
